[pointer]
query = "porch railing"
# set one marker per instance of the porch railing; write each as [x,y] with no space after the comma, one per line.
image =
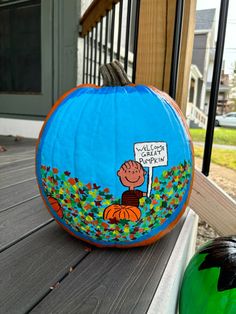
[111,34]
[196,115]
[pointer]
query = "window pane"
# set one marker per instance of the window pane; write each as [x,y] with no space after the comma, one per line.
[20,47]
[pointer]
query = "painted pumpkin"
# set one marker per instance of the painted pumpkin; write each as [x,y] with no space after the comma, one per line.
[122,212]
[209,283]
[117,159]
[56,206]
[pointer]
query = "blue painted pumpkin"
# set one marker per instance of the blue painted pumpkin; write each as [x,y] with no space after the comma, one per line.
[114,164]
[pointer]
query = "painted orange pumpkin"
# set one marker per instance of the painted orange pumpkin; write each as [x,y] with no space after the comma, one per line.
[119,212]
[56,206]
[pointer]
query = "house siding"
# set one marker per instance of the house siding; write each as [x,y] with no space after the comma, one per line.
[199,51]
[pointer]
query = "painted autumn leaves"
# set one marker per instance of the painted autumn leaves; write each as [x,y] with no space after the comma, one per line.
[81,206]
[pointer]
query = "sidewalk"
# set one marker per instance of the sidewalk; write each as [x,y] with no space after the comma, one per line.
[230,147]
[224,177]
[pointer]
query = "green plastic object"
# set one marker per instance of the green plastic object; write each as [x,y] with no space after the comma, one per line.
[209,282]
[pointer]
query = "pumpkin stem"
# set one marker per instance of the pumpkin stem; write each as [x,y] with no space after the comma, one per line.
[113,74]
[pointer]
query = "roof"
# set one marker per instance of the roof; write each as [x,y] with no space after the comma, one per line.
[205,19]
[195,71]
[199,52]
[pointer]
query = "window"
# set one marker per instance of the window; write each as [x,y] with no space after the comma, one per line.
[191,92]
[20,46]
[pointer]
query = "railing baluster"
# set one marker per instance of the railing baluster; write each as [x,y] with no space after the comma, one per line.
[119,29]
[95,56]
[127,36]
[100,49]
[215,86]
[136,27]
[176,48]
[84,61]
[112,31]
[87,65]
[102,38]
[106,37]
[91,58]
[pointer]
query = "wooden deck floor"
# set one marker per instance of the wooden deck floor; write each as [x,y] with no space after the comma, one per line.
[45,270]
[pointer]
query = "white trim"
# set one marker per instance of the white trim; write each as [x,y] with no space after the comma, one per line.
[195,71]
[165,300]
[202,31]
[19,127]
[193,113]
[195,93]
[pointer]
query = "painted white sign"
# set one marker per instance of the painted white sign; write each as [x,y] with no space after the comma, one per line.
[151,154]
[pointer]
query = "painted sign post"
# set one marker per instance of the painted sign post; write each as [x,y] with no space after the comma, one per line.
[151,154]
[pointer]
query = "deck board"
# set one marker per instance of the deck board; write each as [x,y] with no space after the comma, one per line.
[112,281]
[32,266]
[17,151]
[17,193]
[21,219]
[15,154]
[20,145]
[12,177]
[19,164]
[36,253]
[5,160]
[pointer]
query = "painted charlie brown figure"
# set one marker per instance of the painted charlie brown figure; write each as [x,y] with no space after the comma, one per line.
[131,174]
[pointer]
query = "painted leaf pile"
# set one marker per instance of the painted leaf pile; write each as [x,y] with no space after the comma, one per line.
[82,205]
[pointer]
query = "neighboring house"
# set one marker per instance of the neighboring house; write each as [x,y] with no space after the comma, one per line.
[202,71]
[202,67]
[223,96]
[232,93]
[203,53]
[195,117]
[195,85]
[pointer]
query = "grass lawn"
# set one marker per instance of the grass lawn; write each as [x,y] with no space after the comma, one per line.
[222,157]
[223,136]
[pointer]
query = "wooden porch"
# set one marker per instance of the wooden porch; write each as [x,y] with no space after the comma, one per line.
[45,270]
